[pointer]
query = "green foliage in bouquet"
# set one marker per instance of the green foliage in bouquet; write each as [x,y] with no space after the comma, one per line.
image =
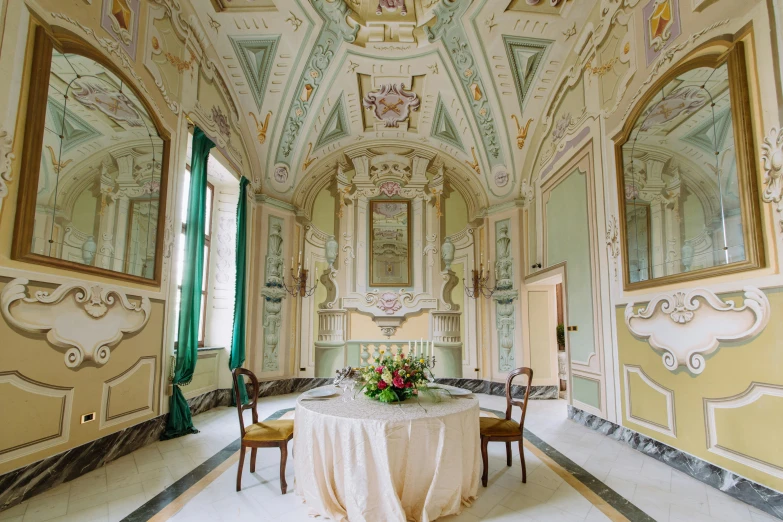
[396,378]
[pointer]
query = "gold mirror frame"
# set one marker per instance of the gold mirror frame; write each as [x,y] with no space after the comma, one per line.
[409,280]
[734,56]
[43,45]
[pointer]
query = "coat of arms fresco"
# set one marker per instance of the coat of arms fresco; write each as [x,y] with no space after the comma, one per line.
[392,103]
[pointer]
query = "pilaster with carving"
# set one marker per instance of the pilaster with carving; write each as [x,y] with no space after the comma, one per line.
[504,297]
[273,294]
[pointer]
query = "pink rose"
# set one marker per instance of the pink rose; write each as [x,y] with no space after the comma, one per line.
[379,369]
[381,385]
[398,382]
[409,385]
[415,392]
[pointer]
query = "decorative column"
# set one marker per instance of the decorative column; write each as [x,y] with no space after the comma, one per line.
[125,181]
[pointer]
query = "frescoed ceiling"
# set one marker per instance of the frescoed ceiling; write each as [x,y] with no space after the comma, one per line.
[469,78]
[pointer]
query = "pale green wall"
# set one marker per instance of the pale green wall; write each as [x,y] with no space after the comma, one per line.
[567,239]
[586,391]
[324,212]
[84,209]
[531,234]
[456,213]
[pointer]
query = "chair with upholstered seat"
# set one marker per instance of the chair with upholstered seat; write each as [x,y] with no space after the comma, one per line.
[507,429]
[267,434]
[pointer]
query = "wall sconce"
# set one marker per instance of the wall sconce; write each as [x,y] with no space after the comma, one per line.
[298,284]
[479,283]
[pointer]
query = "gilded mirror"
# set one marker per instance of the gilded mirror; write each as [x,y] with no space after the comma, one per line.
[687,178]
[390,233]
[93,190]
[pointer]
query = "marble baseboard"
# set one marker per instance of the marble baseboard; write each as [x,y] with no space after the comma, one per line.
[752,493]
[499,388]
[18,485]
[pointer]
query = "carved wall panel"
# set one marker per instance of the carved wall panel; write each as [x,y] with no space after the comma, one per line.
[668,427]
[129,395]
[48,415]
[86,320]
[686,326]
[764,459]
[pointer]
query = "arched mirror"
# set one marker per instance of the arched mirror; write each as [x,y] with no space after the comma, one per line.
[94,168]
[687,177]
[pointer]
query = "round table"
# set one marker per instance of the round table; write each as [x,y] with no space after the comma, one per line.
[362,460]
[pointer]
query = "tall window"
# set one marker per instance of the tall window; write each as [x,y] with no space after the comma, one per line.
[181,256]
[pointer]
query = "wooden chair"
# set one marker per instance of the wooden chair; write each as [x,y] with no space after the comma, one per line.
[267,434]
[506,430]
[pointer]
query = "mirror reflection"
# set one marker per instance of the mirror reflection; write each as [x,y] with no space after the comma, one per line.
[390,263]
[100,175]
[682,197]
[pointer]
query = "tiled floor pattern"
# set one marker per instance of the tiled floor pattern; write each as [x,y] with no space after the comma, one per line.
[113,492]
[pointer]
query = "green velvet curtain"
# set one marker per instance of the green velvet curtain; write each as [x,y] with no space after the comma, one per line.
[237,357]
[179,420]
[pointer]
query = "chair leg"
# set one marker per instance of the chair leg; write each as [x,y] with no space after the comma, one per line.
[283,458]
[485,459]
[508,454]
[239,467]
[522,458]
[253,460]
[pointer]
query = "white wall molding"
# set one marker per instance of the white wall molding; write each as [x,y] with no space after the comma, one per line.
[148,409]
[772,158]
[686,326]
[85,318]
[754,392]
[21,382]
[670,428]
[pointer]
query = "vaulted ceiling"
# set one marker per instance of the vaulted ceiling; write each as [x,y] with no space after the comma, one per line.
[469,79]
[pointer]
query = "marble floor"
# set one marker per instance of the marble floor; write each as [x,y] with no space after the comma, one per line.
[115,491]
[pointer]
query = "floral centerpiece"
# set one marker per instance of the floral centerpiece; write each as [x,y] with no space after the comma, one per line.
[395,378]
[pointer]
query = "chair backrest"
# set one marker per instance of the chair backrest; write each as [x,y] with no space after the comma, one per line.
[511,402]
[253,402]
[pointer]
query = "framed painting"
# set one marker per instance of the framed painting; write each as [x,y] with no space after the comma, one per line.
[390,243]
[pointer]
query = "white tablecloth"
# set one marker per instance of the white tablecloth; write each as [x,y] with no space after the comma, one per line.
[363,460]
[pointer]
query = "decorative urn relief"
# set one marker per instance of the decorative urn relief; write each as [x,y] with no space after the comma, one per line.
[85,319]
[447,253]
[331,248]
[686,326]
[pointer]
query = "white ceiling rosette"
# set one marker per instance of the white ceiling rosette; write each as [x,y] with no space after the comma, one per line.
[686,326]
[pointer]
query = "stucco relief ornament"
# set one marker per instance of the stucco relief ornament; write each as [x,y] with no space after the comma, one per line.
[389,188]
[772,158]
[447,252]
[389,302]
[686,326]
[221,121]
[331,248]
[281,174]
[391,5]
[391,103]
[87,320]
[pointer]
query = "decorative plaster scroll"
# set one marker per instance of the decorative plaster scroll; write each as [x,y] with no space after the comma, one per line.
[329,280]
[670,428]
[686,331]
[106,420]
[450,281]
[21,382]
[772,157]
[6,157]
[87,320]
[754,392]
[389,302]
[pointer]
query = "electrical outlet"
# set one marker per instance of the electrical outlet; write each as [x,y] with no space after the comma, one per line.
[573,328]
[88,417]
